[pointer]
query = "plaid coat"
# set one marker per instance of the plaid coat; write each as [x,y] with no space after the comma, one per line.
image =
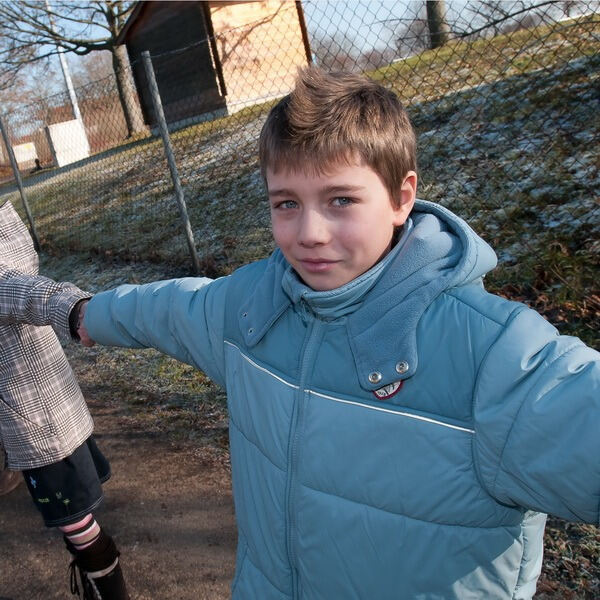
[43,415]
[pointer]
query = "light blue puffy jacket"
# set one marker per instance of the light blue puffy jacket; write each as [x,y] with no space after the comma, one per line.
[432,488]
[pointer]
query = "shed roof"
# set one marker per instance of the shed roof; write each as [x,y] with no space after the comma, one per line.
[135,13]
[139,9]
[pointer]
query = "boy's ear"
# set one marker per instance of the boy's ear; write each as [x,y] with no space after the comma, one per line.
[405,198]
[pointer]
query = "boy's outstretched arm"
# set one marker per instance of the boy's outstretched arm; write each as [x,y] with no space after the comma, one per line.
[183,318]
[37,300]
[537,415]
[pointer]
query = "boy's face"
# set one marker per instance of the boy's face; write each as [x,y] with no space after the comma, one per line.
[333,227]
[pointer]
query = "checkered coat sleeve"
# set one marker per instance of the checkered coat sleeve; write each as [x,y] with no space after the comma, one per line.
[43,415]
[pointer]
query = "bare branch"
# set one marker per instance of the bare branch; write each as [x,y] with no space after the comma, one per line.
[65,27]
[505,17]
[31,32]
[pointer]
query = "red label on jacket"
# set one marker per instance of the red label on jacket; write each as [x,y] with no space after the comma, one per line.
[387,391]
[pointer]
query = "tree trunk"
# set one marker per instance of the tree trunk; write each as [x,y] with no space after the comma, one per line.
[127,92]
[439,32]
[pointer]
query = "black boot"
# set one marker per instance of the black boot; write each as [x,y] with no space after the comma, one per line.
[86,588]
[99,570]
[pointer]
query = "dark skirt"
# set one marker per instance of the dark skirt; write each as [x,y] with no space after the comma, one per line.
[65,491]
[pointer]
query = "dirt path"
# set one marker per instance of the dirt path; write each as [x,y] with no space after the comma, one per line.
[168,506]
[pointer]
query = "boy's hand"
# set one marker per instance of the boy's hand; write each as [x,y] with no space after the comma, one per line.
[82,332]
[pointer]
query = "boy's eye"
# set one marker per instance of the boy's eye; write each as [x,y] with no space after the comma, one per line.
[342,201]
[286,204]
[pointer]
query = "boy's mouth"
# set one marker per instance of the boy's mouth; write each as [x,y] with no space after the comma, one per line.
[317,265]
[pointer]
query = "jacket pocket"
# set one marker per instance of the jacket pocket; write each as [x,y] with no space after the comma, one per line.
[22,438]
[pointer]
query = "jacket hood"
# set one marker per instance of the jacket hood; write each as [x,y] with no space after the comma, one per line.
[440,252]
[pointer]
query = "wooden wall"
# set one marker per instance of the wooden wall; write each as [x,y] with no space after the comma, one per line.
[260,46]
[186,80]
[257,47]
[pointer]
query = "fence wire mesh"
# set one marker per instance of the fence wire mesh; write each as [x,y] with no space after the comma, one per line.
[503,95]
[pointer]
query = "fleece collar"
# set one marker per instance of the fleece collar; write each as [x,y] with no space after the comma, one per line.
[440,251]
[342,301]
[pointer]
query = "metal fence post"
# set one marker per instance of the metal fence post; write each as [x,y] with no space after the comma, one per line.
[164,133]
[17,174]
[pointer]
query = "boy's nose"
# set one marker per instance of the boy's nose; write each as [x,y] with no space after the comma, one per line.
[313,229]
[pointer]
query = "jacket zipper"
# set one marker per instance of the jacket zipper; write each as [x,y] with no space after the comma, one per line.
[293,448]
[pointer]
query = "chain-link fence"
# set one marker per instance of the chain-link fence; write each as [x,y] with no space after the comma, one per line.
[504,97]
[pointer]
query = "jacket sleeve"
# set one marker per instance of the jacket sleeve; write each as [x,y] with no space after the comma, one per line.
[37,300]
[180,317]
[537,420]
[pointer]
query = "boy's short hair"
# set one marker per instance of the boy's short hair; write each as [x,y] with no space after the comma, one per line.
[339,117]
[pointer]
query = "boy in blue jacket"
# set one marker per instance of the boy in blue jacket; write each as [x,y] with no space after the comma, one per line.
[395,430]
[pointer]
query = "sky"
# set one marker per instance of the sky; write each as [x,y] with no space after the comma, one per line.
[372,21]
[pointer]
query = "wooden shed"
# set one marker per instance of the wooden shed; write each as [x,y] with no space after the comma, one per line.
[215,56]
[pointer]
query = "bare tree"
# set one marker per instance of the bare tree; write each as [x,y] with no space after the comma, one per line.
[492,13]
[92,68]
[412,32]
[32,30]
[29,86]
[336,52]
[439,32]
[497,16]
[377,57]
[423,25]
[569,6]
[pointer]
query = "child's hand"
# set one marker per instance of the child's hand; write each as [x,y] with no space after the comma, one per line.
[82,332]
